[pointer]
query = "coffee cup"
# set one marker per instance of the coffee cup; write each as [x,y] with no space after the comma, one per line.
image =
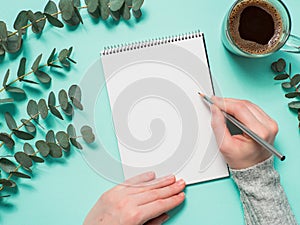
[258,28]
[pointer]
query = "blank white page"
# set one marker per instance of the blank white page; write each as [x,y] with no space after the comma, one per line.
[160,122]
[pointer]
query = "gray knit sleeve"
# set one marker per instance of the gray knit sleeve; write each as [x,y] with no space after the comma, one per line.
[263,198]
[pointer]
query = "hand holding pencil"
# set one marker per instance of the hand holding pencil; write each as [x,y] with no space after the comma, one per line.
[241,151]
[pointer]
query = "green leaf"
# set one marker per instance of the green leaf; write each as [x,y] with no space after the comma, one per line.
[87,134]
[15,90]
[32,109]
[77,13]
[29,81]
[23,159]
[51,8]
[71,131]
[63,139]
[93,8]
[13,43]
[292,94]
[125,12]
[32,19]
[104,9]
[294,105]
[137,14]
[295,80]
[128,2]
[77,103]
[43,108]
[21,21]
[76,3]
[10,121]
[63,54]
[40,24]
[21,69]
[281,77]
[51,99]
[280,65]
[7,140]
[4,84]
[42,76]
[75,92]
[7,183]
[137,4]
[55,150]
[50,59]
[63,99]
[3,31]
[23,135]
[115,4]
[56,66]
[37,159]
[75,143]
[28,149]
[55,112]
[50,137]
[7,165]
[54,21]
[69,111]
[30,127]
[67,9]
[36,63]
[115,15]
[42,147]
[19,174]
[6,100]
[2,50]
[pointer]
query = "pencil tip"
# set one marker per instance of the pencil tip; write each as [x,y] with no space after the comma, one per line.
[202,95]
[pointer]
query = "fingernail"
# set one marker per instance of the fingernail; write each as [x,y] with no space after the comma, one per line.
[180,182]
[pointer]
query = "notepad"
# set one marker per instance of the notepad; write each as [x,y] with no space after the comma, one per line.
[160,122]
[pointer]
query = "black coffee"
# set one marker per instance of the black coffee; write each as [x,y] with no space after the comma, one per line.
[255,26]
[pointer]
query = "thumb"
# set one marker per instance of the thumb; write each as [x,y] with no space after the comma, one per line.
[158,220]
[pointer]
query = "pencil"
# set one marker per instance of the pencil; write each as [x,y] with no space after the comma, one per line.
[247,131]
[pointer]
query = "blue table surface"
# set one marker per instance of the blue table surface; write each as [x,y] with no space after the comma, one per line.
[62,191]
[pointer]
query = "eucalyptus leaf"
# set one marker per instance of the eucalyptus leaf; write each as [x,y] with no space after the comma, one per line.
[13,43]
[29,81]
[28,149]
[50,137]
[281,76]
[42,76]
[294,105]
[67,9]
[54,65]
[54,21]
[30,127]
[23,159]
[7,140]
[19,174]
[42,147]
[21,69]
[51,99]
[77,13]
[7,183]
[21,21]
[3,31]
[43,108]
[32,19]
[23,135]
[137,14]
[2,50]
[295,80]
[75,143]
[292,94]
[36,63]
[63,54]
[55,150]
[280,65]
[125,12]
[76,3]
[77,103]
[115,15]
[69,111]
[51,8]
[286,85]
[115,4]
[75,92]
[93,8]
[137,4]
[50,59]
[6,100]
[65,63]
[15,90]
[32,109]
[63,99]
[87,134]
[6,76]
[36,159]
[63,139]
[40,24]
[71,131]
[104,9]
[55,112]
[10,121]
[128,2]
[7,165]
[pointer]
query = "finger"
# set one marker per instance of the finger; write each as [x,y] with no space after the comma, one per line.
[240,111]
[154,184]
[160,193]
[154,209]
[222,134]
[158,220]
[144,177]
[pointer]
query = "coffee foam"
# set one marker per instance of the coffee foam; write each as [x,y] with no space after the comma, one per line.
[250,46]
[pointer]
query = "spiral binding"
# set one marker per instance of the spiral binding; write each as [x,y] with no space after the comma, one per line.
[149,43]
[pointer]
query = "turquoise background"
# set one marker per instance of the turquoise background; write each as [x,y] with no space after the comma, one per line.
[62,191]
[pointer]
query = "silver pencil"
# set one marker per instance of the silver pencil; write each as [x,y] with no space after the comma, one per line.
[247,131]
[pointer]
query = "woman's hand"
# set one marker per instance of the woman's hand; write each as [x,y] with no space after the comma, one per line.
[140,200]
[240,151]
